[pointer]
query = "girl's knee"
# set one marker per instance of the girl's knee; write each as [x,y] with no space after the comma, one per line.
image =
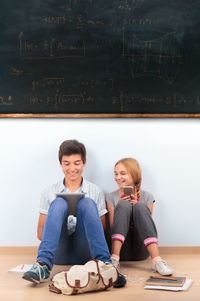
[124,205]
[140,208]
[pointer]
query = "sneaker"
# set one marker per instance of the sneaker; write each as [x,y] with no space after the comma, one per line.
[115,262]
[162,268]
[38,273]
[121,281]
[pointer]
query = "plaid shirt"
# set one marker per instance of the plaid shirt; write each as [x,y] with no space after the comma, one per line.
[91,190]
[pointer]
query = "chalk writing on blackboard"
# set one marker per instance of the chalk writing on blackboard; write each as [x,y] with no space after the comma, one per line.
[175,100]
[60,99]
[60,81]
[6,101]
[122,56]
[50,49]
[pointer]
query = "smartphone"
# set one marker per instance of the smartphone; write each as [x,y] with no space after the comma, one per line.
[128,190]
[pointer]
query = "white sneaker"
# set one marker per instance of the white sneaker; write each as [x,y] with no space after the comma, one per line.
[162,268]
[115,262]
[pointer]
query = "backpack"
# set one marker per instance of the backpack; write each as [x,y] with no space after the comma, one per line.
[93,276]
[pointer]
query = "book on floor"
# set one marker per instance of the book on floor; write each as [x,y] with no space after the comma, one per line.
[166,281]
[185,287]
[22,268]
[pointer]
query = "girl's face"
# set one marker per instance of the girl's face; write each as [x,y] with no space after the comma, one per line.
[122,176]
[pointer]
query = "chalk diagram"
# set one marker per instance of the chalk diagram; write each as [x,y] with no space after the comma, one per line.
[160,57]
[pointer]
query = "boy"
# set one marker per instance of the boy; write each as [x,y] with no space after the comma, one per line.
[76,241]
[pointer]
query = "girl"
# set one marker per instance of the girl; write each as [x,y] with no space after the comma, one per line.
[132,213]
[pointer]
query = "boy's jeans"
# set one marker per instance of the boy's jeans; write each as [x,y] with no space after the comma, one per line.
[87,242]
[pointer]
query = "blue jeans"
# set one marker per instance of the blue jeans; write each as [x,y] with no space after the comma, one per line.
[87,242]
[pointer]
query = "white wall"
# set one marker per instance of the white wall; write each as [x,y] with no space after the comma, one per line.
[167,149]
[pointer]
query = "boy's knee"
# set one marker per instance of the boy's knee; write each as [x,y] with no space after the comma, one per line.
[59,204]
[87,205]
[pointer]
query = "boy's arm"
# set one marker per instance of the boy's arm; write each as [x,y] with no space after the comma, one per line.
[110,214]
[41,221]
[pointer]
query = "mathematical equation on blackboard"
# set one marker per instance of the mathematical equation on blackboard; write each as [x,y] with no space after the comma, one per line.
[123,56]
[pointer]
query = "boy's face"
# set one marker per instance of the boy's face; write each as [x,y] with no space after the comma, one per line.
[72,167]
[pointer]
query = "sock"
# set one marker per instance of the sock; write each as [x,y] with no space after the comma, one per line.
[115,256]
[43,263]
[155,259]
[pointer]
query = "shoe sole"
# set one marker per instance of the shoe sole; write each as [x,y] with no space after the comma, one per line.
[122,284]
[118,286]
[155,271]
[31,280]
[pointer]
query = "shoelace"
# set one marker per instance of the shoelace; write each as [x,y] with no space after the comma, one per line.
[165,263]
[37,268]
[115,262]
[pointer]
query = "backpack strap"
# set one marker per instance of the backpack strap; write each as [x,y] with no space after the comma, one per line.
[54,289]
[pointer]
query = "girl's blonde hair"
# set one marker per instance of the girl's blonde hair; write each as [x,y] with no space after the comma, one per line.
[133,167]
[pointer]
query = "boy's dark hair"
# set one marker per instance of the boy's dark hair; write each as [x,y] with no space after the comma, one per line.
[71,147]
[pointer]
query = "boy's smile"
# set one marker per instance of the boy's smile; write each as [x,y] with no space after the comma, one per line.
[72,167]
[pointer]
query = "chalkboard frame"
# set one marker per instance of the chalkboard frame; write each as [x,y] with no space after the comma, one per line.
[100,115]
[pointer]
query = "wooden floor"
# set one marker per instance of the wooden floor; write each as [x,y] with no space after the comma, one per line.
[185,261]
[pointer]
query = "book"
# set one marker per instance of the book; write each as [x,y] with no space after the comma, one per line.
[22,268]
[185,287]
[166,281]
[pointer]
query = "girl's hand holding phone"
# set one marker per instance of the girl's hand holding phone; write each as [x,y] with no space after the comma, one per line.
[133,199]
[127,194]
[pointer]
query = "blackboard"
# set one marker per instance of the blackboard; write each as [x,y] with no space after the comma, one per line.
[100,56]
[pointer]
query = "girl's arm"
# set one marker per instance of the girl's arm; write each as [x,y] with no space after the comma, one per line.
[110,214]
[151,207]
[103,220]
